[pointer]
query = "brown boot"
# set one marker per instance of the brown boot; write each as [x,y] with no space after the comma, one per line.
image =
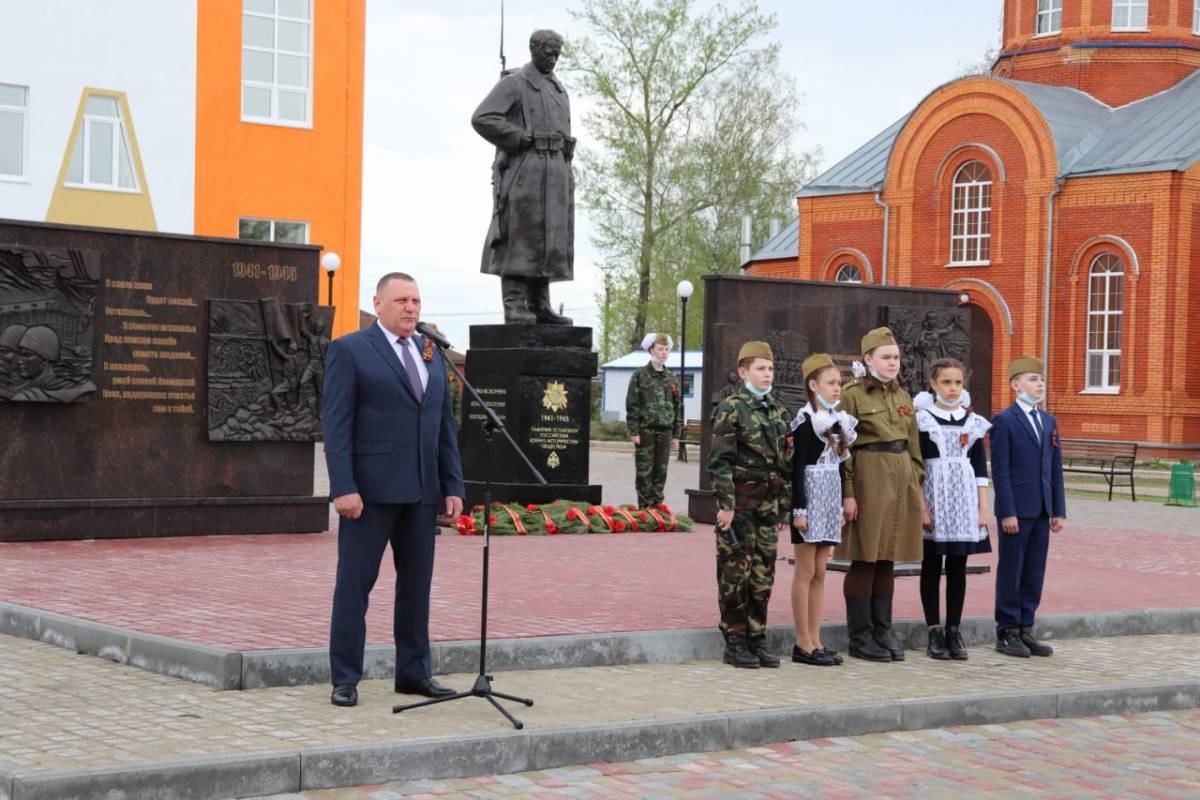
[539,304]
[514,292]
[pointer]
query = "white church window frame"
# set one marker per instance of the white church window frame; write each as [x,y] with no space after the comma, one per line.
[971,215]
[1105,317]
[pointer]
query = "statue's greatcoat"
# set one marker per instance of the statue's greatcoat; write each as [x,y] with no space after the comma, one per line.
[532,232]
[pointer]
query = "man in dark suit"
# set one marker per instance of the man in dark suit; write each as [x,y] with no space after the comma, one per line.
[1028,479]
[388,423]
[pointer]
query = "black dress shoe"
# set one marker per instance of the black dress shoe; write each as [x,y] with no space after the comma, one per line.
[428,687]
[816,658]
[345,695]
[954,643]
[936,646]
[1009,643]
[1036,648]
[832,655]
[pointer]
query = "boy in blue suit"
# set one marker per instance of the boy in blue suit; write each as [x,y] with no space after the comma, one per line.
[388,424]
[1028,479]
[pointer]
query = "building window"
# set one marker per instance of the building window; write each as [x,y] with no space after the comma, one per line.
[1105,283]
[971,215]
[273,230]
[277,61]
[1049,17]
[1129,15]
[101,159]
[848,273]
[1196,18]
[14,130]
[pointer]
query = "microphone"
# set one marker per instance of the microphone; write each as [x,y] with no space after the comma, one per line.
[441,341]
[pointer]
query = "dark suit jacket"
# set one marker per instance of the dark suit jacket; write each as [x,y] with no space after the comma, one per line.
[1027,474]
[379,441]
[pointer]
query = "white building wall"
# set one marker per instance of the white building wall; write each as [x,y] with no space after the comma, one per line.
[145,48]
[616,384]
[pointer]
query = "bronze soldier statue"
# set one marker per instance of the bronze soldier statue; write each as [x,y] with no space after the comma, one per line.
[531,238]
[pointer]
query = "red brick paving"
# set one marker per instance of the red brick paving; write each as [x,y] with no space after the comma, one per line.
[268,592]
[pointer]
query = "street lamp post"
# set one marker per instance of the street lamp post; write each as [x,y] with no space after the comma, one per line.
[684,290]
[330,263]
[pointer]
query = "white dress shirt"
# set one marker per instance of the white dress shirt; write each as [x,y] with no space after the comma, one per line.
[397,343]
[1037,424]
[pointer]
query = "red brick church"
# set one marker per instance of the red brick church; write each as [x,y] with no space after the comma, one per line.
[1060,196]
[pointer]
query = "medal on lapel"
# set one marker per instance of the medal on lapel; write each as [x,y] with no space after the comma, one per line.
[427,351]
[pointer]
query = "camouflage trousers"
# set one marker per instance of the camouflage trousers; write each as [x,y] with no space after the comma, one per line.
[746,575]
[651,458]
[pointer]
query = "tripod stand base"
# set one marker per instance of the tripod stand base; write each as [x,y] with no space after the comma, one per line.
[482,688]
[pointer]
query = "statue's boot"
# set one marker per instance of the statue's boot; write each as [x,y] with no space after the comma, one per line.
[539,303]
[516,311]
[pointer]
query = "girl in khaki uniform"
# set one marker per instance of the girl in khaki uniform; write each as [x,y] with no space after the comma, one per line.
[881,487]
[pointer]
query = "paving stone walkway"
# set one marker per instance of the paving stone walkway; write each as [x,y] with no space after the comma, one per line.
[1132,756]
[59,710]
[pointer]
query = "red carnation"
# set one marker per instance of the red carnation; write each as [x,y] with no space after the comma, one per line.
[551,527]
[531,507]
[610,510]
[479,507]
[643,516]
[491,519]
[663,507]
[618,526]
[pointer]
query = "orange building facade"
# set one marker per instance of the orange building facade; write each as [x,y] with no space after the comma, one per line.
[233,118]
[1060,196]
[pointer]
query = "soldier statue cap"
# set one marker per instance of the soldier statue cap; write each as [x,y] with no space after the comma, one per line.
[41,340]
[1019,366]
[755,350]
[11,336]
[877,338]
[815,362]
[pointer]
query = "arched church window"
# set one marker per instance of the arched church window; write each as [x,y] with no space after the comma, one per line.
[971,215]
[1106,280]
[848,273]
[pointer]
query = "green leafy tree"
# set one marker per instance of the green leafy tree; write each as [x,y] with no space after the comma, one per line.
[692,127]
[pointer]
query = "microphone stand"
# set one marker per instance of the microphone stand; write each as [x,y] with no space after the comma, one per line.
[483,681]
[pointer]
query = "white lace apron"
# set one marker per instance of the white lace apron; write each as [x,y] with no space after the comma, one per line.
[951,491]
[823,480]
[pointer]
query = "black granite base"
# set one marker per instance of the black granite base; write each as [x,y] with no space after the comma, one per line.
[701,506]
[538,378]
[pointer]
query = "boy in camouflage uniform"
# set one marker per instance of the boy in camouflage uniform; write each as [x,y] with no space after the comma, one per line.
[654,418]
[749,465]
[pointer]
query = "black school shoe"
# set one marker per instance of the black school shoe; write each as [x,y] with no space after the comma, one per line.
[1009,643]
[758,649]
[344,695]
[1036,648]
[937,647]
[832,654]
[954,643]
[817,658]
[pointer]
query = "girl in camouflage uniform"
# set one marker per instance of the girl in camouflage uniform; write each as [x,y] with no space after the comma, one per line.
[749,465]
[881,484]
[654,417]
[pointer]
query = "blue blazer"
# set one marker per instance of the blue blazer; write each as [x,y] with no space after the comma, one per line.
[379,441]
[1027,473]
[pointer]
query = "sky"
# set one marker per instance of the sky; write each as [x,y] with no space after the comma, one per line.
[427,174]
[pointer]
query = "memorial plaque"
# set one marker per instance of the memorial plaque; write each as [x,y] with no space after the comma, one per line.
[538,379]
[796,318]
[135,458]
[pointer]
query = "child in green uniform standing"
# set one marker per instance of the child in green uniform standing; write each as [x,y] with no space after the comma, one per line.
[749,465]
[881,484]
[654,417]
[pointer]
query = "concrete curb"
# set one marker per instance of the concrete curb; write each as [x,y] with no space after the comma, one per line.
[259,669]
[7,773]
[211,666]
[518,751]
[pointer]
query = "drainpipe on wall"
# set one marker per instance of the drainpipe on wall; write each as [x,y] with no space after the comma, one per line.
[1046,287]
[887,215]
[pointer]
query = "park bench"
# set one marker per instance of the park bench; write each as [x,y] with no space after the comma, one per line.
[691,435]
[1113,461]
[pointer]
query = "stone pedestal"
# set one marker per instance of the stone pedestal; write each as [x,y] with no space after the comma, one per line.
[538,379]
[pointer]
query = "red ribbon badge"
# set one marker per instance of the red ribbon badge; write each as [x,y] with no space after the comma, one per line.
[1054,440]
[427,350]
[905,411]
[964,439]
